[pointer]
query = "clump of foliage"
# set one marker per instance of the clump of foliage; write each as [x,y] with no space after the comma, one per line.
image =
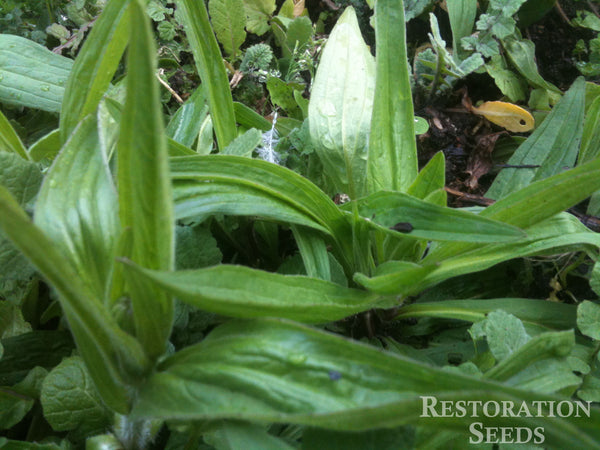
[490,41]
[588,54]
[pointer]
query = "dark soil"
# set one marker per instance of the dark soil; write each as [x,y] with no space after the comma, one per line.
[554,41]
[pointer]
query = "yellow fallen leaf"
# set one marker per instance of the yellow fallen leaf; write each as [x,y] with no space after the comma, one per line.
[509,116]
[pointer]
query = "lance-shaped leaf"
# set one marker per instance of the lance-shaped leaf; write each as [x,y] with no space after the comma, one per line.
[269,179]
[535,203]
[462,15]
[211,68]
[392,158]
[555,235]
[274,370]
[394,277]
[540,313]
[144,185]
[95,65]
[430,179]
[521,53]
[243,186]
[186,122]
[77,208]
[9,140]
[113,358]
[397,212]
[552,146]
[31,75]
[239,291]
[314,254]
[341,103]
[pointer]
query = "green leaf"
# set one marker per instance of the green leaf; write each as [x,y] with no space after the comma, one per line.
[275,370]
[77,208]
[507,8]
[588,319]
[505,334]
[519,350]
[587,19]
[16,401]
[392,158]
[595,278]
[205,137]
[23,179]
[590,142]
[545,198]
[12,322]
[145,198]
[555,234]
[31,75]
[298,36]
[590,389]
[47,147]
[553,145]
[231,435]
[103,442]
[71,402]
[239,291]
[421,125]
[244,144]
[210,68]
[414,8]
[40,348]
[95,65]
[487,46]
[242,186]
[110,354]
[313,251]
[157,12]
[258,13]
[228,20]
[249,118]
[462,19]
[431,178]
[339,112]
[166,31]
[547,375]
[507,81]
[13,407]
[397,212]
[186,122]
[196,248]
[550,315]
[282,94]
[521,53]
[393,277]
[9,140]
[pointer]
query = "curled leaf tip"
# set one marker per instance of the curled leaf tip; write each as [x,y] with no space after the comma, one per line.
[509,116]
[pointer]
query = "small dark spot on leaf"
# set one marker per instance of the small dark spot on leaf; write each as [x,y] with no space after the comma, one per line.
[334,375]
[402,227]
[455,358]
[522,122]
